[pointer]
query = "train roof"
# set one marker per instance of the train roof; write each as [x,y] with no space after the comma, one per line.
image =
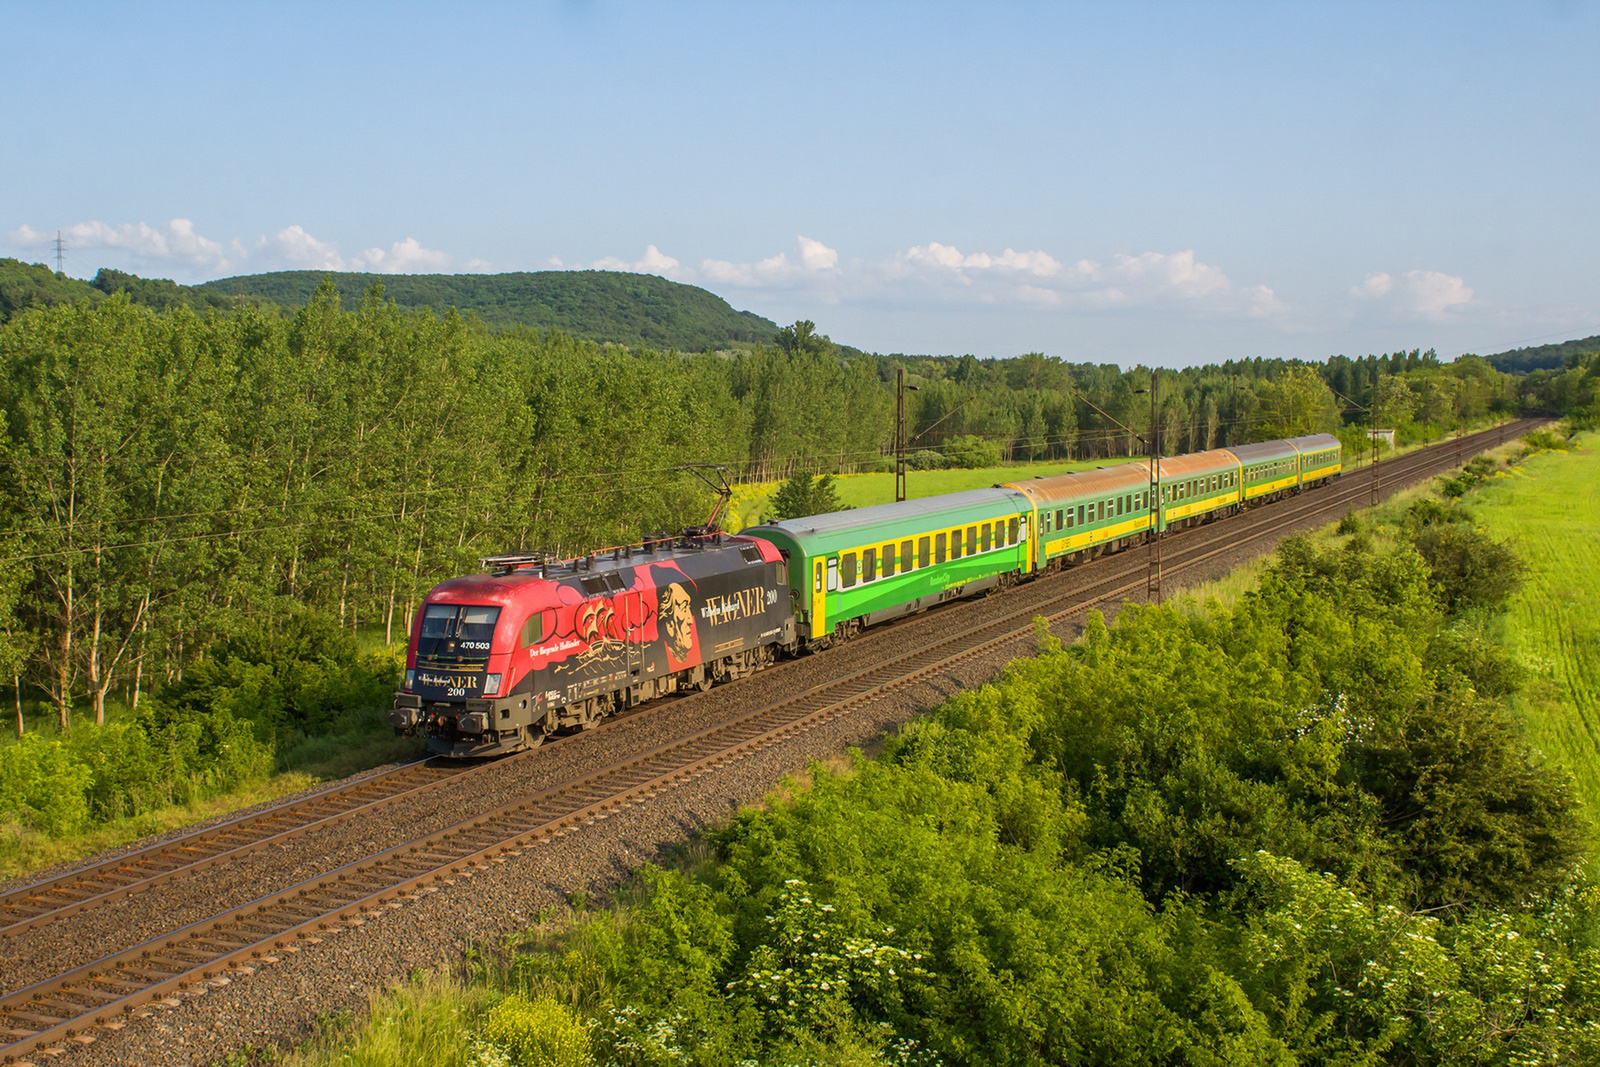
[1194,464]
[819,533]
[1314,442]
[1076,485]
[1263,451]
[602,573]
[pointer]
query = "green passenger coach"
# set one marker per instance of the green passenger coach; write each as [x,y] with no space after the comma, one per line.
[1320,457]
[849,569]
[1083,514]
[1271,469]
[1198,486]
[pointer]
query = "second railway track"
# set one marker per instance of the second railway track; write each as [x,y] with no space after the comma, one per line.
[56,1008]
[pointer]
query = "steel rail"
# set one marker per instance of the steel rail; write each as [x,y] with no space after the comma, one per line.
[58,1007]
[119,877]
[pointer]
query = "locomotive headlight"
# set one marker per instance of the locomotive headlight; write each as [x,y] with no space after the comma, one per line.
[411,679]
[491,684]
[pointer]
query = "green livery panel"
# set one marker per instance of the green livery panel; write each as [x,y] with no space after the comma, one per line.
[874,563]
[853,568]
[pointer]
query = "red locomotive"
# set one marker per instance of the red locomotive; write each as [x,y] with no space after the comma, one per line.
[502,660]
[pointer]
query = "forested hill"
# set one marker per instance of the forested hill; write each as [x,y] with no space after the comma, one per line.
[594,305]
[25,285]
[598,305]
[1542,357]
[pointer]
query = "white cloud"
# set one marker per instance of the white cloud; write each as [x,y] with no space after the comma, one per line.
[1435,293]
[1429,294]
[815,264]
[814,255]
[1261,301]
[1177,272]
[945,257]
[1376,285]
[295,246]
[175,242]
[654,261]
[176,249]
[1174,279]
[931,274]
[403,257]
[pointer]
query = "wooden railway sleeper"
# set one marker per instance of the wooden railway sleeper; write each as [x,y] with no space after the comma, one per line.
[121,983]
[55,1002]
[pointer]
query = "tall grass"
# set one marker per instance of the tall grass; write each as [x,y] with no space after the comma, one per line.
[424,1021]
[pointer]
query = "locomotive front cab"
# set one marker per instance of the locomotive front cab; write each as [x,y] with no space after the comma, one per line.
[452,654]
[457,671]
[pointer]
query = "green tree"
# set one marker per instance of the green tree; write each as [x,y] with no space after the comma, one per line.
[1295,403]
[804,494]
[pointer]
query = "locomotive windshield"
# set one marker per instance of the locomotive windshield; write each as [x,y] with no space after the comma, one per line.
[457,633]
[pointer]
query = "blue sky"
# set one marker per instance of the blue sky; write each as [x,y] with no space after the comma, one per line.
[1112,181]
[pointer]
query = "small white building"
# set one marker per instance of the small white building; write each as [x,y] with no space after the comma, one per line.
[1386,436]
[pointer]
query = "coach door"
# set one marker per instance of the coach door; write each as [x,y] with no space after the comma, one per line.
[819,605]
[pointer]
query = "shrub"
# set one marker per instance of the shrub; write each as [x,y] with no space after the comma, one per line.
[538,1033]
[925,460]
[1463,652]
[1470,570]
[1431,512]
[126,767]
[302,677]
[1544,441]
[972,452]
[1469,813]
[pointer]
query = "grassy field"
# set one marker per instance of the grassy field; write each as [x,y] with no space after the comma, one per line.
[1549,509]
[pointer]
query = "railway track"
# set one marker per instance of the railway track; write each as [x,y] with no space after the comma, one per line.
[100,883]
[57,1008]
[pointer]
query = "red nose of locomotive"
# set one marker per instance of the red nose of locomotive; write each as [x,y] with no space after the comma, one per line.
[461,669]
